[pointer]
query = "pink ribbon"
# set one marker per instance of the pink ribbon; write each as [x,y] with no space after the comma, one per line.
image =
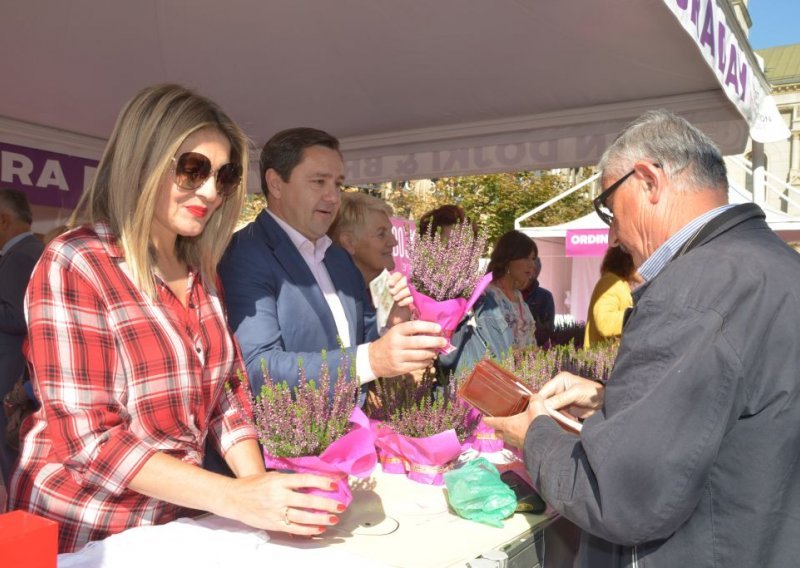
[425,459]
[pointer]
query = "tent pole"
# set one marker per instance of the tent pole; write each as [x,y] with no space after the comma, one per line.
[759,182]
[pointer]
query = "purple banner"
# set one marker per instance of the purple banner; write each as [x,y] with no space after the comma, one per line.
[586,242]
[47,178]
[706,22]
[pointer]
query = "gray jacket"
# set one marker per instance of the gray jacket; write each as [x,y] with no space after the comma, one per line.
[695,458]
[16,267]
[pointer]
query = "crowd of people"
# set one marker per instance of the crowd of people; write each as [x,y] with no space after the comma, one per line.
[140,313]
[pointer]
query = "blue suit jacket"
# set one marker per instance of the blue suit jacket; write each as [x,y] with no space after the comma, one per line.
[277,310]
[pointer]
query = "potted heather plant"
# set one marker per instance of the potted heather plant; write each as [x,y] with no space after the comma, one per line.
[315,428]
[537,367]
[533,368]
[420,430]
[444,275]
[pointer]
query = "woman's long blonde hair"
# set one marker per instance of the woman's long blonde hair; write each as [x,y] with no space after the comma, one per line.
[136,160]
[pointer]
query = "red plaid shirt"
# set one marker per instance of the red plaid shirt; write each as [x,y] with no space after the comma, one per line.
[120,377]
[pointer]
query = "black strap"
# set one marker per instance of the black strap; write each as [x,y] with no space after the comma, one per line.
[720,224]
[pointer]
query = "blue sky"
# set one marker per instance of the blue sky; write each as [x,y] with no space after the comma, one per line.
[775,22]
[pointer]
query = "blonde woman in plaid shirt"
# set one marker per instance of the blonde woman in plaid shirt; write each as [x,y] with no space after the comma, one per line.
[129,348]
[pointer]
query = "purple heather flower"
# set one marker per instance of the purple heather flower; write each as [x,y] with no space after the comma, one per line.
[415,410]
[444,270]
[305,420]
[536,367]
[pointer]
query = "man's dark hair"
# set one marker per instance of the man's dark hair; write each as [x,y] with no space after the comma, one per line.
[16,202]
[513,245]
[284,151]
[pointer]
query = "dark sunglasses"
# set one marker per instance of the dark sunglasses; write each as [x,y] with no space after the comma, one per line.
[599,202]
[193,169]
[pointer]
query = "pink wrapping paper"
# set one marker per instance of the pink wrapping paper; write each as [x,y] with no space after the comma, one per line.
[390,462]
[424,459]
[447,313]
[352,454]
[483,439]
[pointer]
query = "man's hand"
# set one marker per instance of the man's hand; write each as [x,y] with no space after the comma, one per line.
[406,347]
[580,397]
[512,429]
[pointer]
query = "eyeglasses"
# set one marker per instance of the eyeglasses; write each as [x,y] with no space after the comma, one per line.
[603,211]
[193,169]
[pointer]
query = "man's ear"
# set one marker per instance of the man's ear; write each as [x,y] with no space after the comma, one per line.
[274,183]
[654,179]
[347,240]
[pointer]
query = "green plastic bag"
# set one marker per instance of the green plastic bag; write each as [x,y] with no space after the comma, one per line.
[476,492]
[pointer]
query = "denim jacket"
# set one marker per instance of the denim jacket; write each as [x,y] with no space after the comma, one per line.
[484,332]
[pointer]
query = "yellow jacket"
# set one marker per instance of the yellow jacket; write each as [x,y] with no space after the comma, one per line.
[610,297]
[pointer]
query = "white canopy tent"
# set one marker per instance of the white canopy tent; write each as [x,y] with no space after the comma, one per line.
[412,89]
[570,279]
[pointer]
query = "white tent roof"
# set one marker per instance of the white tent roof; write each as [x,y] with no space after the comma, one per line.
[413,89]
[777,220]
[590,221]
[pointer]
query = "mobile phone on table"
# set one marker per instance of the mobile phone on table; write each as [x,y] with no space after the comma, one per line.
[528,500]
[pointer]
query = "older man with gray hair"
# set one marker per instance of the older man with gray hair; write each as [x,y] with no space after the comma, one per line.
[19,251]
[689,456]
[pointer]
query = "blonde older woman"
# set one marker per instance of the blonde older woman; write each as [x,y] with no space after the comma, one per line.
[364,230]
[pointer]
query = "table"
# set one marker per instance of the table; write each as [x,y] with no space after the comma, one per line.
[400,523]
[392,523]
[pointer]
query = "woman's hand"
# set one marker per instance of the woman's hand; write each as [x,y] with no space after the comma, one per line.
[272,501]
[580,397]
[401,309]
[398,288]
[265,500]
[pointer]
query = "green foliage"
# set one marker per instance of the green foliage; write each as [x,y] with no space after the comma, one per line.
[253,205]
[495,200]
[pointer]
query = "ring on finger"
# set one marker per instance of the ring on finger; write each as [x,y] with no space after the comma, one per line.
[286,520]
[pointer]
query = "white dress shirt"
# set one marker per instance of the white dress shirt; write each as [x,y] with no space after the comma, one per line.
[314,253]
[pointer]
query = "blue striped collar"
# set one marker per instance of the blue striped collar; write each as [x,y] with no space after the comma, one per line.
[659,259]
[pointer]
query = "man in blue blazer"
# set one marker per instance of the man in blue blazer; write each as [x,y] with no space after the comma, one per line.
[291,293]
[20,250]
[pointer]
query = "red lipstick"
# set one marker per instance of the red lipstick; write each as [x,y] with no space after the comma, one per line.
[198,211]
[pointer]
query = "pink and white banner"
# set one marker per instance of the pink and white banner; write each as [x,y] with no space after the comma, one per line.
[586,242]
[404,232]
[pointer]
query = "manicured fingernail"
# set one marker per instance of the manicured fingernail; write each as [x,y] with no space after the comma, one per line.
[321,529]
[333,519]
[340,507]
[333,486]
